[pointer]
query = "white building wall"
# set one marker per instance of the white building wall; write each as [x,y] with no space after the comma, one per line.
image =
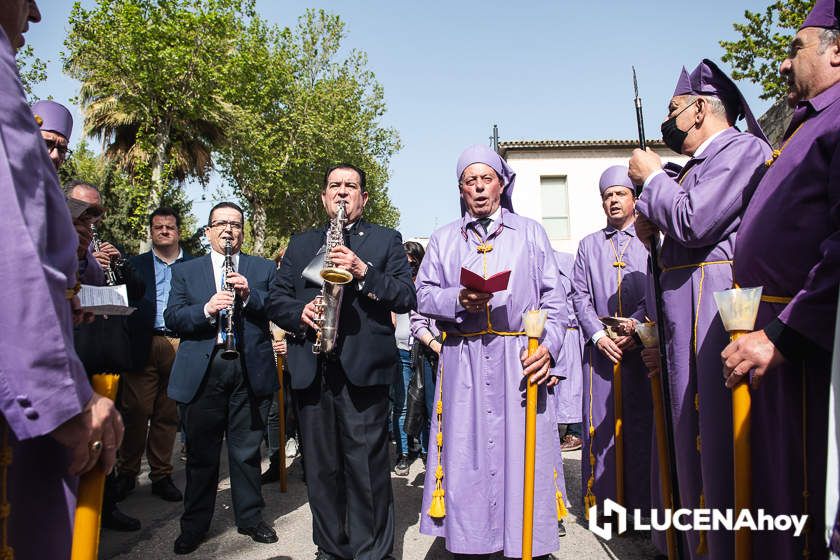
[582,168]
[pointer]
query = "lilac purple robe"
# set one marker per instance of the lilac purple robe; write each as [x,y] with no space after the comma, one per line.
[43,381]
[789,243]
[569,391]
[483,389]
[699,213]
[595,294]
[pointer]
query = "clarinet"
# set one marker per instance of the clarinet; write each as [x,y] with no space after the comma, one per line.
[110,275]
[229,351]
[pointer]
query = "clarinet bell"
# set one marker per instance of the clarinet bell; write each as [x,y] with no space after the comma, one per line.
[229,351]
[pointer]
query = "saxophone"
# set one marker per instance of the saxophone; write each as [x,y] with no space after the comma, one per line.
[328,302]
[229,351]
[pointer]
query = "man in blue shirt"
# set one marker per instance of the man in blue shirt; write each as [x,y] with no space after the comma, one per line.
[150,416]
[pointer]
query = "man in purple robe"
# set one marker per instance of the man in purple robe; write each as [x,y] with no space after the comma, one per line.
[609,281]
[474,481]
[698,211]
[789,243]
[56,125]
[53,426]
[569,391]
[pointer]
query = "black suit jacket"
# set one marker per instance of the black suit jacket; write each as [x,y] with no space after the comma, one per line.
[142,321]
[365,342]
[193,283]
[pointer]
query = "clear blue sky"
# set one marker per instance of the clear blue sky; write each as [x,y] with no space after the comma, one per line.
[539,69]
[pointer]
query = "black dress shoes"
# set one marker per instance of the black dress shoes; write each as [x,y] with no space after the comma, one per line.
[271,474]
[116,520]
[260,533]
[187,543]
[167,490]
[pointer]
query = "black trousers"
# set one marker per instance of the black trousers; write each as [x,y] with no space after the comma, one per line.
[345,437]
[223,407]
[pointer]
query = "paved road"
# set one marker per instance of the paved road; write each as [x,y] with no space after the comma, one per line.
[290,516]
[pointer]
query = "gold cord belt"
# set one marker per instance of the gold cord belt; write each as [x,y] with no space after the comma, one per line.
[694,265]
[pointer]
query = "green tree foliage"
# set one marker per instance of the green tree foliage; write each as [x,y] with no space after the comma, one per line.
[126,220]
[168,86]
[301,108]
[150,83]
[764,42]
[32,71]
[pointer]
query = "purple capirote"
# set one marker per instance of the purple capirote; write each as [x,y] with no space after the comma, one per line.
[480,153]
[53,117]
[708,79]
[615,176]
[44,383]
[825,13]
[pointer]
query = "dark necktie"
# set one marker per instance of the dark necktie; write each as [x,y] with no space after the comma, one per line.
[485,223]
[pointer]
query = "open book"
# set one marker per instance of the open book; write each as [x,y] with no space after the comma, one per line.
[495,283]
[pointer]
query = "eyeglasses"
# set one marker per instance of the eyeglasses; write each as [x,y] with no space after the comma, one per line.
[474,179]
[63,150]
[224,224]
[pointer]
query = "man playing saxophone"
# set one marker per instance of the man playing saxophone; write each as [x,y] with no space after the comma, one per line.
[342,391]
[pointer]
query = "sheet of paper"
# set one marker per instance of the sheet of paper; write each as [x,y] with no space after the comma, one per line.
[105,300]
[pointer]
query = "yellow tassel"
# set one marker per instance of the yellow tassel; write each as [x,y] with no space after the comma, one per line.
[484,248]
[697,402]
[592,431]
[702,545]
[439,408]
[439,438]
[437,509]
[558,497]
[562,512]
[8,553]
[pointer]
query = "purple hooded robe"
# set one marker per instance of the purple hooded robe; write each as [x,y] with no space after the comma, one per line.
[596,294]
[698,211]
[43,381]
[569,391]
[789,243]
[481,386]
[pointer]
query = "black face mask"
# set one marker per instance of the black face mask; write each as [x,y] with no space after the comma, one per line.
[671,134]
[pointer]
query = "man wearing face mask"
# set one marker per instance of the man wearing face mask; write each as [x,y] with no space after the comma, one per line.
[698,211]
[221,395]
[342,396]
[789,243]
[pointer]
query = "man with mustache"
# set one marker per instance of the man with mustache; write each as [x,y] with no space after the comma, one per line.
[698,210]
[609,278]
[789,243]
[341,396]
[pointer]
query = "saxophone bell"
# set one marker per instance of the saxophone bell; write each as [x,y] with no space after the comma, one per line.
[328,303]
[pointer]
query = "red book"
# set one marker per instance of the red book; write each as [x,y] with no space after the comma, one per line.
[495,283]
